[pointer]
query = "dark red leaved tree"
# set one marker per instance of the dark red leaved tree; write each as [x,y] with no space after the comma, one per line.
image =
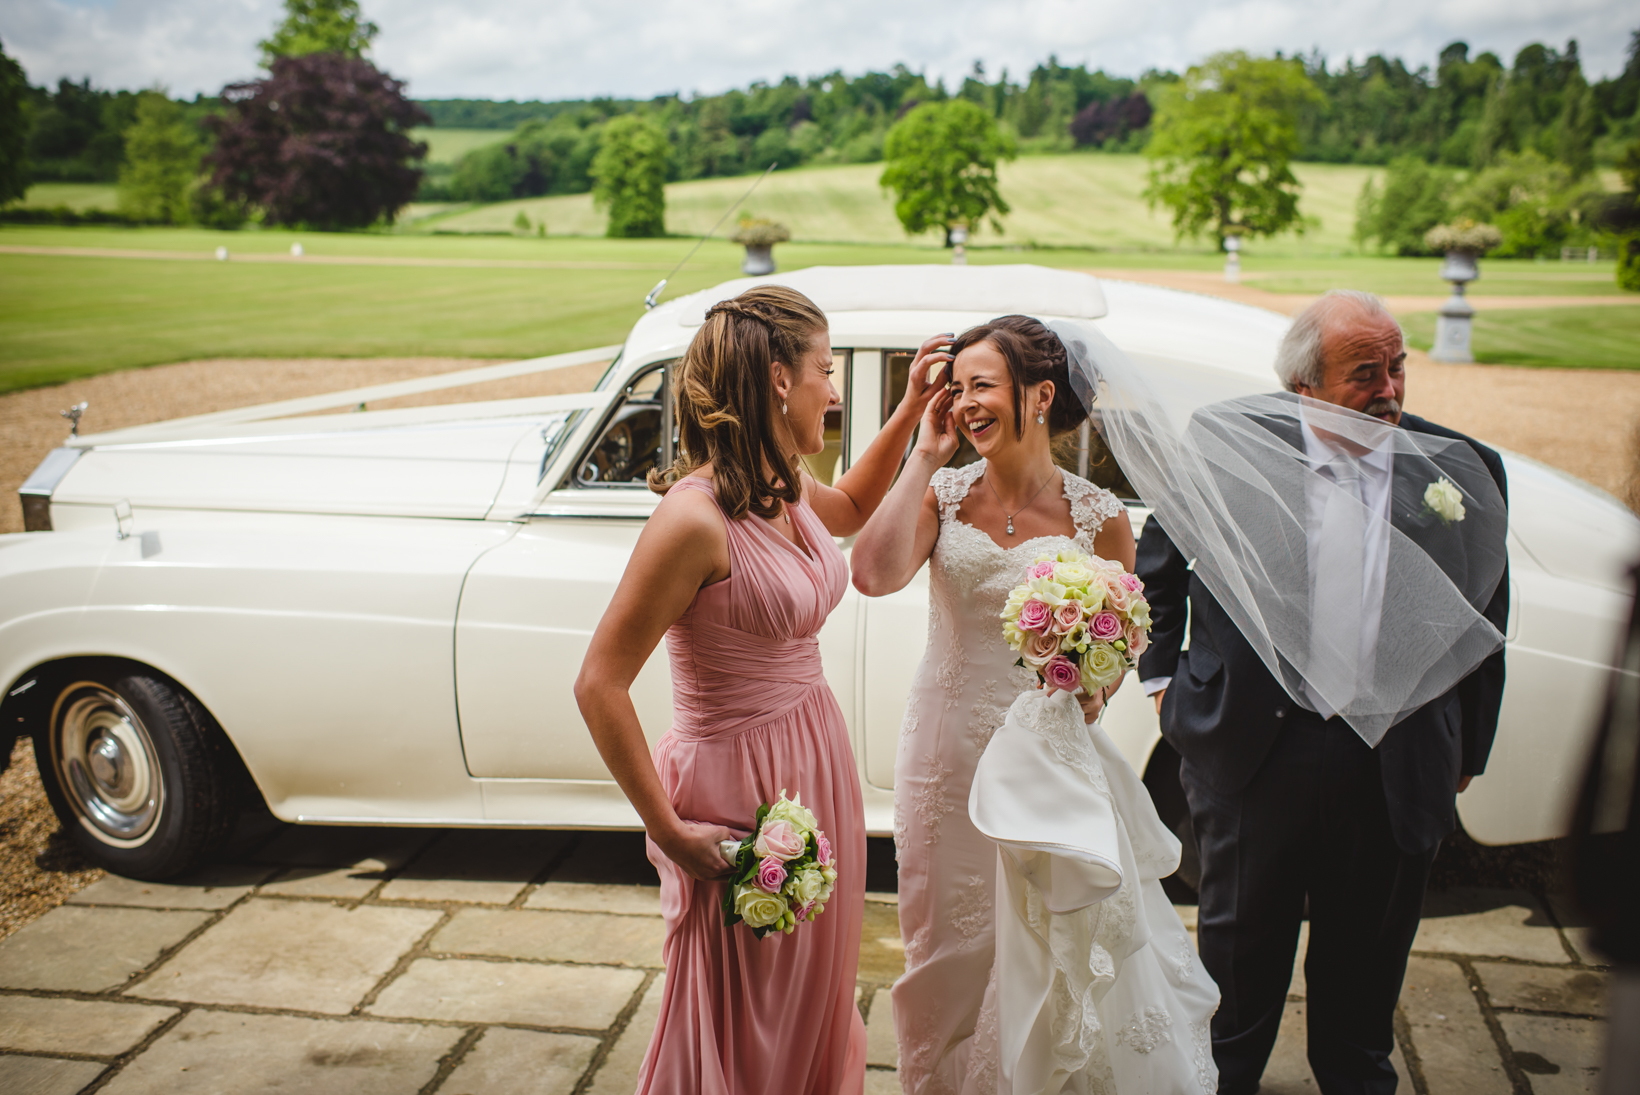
[1110,119]
[322,142]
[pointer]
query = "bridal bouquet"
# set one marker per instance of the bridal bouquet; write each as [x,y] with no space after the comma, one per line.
[784,870]
[1077,620]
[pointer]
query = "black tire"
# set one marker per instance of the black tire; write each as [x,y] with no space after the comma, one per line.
[141,777]
[1162,781]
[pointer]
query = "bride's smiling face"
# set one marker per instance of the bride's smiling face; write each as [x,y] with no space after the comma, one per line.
[984,405]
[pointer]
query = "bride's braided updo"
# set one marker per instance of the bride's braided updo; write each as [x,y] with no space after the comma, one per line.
[725,405]
[1034,354]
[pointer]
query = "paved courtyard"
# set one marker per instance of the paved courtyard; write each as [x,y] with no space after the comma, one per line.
[369,961]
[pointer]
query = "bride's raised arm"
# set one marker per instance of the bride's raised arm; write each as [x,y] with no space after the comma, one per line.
[900,535]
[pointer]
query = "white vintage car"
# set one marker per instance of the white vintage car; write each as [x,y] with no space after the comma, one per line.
[376,618]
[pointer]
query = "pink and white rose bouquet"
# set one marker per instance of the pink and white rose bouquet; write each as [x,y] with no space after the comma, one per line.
[784,870]
[1078,621]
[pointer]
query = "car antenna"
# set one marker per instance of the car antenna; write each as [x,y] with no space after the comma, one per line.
[654,294]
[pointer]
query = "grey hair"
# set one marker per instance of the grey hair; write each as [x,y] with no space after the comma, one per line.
[1298,359]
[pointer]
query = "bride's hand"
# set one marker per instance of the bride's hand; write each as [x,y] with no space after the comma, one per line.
[1092,705]
[938,435]
[693,846]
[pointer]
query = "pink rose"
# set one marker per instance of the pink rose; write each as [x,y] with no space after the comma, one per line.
[1062,673]
[1117,595]
[1138,641]
[824,849]
[1105,626]
[1039,649]
[1066,617]
[1132,582]
[1034,615]
[1040,570]
[779,840]
[771,875]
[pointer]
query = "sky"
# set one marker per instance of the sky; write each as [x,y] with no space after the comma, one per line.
[571,49]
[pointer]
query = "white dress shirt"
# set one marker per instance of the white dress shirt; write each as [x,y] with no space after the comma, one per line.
[1376,468]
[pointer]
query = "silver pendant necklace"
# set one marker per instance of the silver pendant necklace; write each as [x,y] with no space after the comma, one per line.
[1021,509]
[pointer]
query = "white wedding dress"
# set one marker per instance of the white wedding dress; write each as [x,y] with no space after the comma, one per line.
[1084,979]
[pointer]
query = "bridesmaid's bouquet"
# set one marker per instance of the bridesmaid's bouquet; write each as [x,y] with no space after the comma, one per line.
[1077,620]
[784,870]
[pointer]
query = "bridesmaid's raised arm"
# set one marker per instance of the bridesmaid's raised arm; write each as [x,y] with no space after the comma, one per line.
[845,508]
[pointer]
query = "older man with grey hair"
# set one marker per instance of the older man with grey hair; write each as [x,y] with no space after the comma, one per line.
[1290,806]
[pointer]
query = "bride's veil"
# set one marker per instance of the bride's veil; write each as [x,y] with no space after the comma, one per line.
[1224,470]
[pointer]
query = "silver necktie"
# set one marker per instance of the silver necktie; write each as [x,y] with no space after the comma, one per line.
[1335,592]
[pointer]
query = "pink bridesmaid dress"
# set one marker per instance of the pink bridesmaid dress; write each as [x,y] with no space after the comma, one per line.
[753,716]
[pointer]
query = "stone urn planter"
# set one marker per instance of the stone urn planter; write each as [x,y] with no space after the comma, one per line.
[1463,242]
[759,235]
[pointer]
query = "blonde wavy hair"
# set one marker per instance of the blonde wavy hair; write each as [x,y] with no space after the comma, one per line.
[724,405]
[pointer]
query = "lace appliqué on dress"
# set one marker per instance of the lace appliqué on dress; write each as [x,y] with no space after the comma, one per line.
[1146,1030]
[931,802]
[987,715]
[1201,1046]
[971,912]
[1091,506]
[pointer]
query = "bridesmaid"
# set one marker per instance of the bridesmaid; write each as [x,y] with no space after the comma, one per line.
[738,569]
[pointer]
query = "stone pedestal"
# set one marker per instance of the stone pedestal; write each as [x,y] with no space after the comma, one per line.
[959,245]
[759,259]
[1453,325]
[1232,259]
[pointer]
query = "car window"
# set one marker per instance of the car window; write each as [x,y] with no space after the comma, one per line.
[635,439]
[1101,466]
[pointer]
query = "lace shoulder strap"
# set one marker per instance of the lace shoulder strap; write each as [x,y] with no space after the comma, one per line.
[951,486]
[1091,506]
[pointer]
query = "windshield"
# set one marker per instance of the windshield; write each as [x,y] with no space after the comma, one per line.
[609,373]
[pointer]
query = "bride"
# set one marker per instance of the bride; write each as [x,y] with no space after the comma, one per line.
[1041,954]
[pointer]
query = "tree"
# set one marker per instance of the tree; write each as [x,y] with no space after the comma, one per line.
[161,162]
[319,26]
[1413,200]
[629,176]
[1224,138]
[13,130]
[322,141]
[942,166]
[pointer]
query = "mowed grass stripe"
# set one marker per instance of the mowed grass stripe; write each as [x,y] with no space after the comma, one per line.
[1573,338]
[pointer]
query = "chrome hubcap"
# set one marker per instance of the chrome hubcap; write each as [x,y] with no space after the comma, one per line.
[106,763]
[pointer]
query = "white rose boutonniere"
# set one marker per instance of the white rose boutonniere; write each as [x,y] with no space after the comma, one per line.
[1444,500]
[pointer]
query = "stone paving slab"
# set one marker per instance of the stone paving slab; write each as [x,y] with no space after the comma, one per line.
[482,866]
[46,1075]
[474,991]
[212,1052]
[1535,988]
[609,858]
[1288,1072]
[1501,923]
[882,952]
[619,1073]
[216,888]
[302,955]
[352,883]
[508,1061]
[554,936]
[882,1045]
[1455,1048]
[90,950]
[344,845]
[1560,1056]
[595,898]
[34,1024]
[1575,927]
[882,1083]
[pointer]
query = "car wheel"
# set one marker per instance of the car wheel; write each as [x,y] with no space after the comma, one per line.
[137,772]
[1162,781]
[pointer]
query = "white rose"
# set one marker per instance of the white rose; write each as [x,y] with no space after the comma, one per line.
[808,885]
[759,909]
[1101,666]
[792,810]
[1444,500]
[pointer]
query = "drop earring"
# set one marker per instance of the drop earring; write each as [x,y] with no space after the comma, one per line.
[782,408]
[1040,421]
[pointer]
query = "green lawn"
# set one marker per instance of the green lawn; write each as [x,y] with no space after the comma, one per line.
[449,145]
[1082,200]
[1575,338]
[77,196]
[68,316]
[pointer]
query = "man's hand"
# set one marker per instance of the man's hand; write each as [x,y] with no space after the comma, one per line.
[1158,698]
[1463,784]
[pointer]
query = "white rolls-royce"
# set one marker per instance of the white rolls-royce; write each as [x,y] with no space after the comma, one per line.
[376,618]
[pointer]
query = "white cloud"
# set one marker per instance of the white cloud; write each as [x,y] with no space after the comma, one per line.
[582,48]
